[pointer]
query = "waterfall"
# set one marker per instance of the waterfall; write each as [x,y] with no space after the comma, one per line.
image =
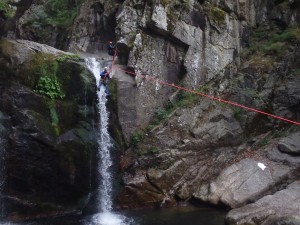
[106,216]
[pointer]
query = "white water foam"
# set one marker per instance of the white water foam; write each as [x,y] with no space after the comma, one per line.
[105,216]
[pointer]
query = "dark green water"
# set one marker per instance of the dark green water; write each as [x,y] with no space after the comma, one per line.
[173,216]
[180,216]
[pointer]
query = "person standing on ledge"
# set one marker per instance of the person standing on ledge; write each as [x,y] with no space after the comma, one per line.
[110,48]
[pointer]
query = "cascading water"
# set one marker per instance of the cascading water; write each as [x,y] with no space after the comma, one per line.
[104,202]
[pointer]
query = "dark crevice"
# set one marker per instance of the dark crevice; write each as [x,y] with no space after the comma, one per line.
[104,30]
[122,53]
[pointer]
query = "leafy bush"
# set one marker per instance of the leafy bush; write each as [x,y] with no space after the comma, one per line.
[48,83]
[55,13]
[49,86]
[6,8]
[272,48]
[289,35]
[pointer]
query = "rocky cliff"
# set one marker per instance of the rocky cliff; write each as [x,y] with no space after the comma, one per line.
[186,148]
[47,133]
[182,147]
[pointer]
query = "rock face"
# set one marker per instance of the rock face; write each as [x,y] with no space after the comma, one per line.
[193,148]
[48,140]
[182,147]
[94,26]
[281,208]
[183,41]
[291,144]
[241,183]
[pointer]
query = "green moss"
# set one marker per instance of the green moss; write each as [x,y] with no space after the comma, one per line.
[54,117]
[41,122]
[174,11]
[66,57]
[6,47]
[165,2]
[217,14]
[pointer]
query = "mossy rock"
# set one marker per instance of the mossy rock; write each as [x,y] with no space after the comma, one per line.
[217,15]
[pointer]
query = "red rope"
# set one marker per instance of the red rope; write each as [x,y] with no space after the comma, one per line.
[210,97]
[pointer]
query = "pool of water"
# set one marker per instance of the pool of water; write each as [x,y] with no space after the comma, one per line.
[180,216]
[173,216]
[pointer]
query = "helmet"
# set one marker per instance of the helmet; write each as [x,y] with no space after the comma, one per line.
[105,68]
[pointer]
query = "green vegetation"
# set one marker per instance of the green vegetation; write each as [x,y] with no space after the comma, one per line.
[61,13]
[55,13]
[274,134]
[217,14]
[66,57]
[48,83]
[269,45]
[184,99]
[177,4]
[237,113]
[136,138]
[150,151]
[272,41]
[49,86]
[6,8]
[54,118]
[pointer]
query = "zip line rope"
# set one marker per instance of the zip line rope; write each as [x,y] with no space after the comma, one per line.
[148,77]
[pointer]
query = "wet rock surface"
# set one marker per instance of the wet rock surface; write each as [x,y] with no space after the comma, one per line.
[49,144]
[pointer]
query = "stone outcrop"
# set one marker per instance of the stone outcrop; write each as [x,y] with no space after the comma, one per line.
[242,182]
[49,140]
[94,26]
[290,144]
[200,39]
[281,208]
[202,150]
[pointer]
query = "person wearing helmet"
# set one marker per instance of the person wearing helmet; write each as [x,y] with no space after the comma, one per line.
[104,76]
[110,48]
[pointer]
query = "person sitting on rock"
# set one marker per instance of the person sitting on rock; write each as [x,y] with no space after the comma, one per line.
[104,76]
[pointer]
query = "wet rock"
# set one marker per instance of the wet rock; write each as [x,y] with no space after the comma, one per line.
[281,208]
[51,143]
[139,193]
